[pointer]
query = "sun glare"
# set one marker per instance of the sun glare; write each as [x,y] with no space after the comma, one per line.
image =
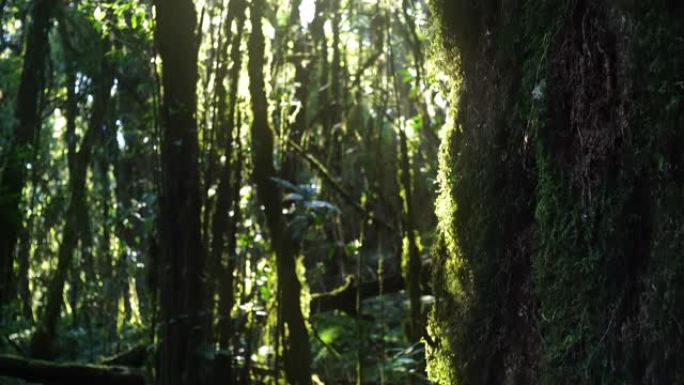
[307,11]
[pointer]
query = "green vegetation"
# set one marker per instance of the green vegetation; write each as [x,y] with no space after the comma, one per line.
[339,192]
[216,191]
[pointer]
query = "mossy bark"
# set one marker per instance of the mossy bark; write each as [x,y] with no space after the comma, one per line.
[224,226]
[561,203]
[297,350]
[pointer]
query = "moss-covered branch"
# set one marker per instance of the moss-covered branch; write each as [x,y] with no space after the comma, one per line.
[343,298]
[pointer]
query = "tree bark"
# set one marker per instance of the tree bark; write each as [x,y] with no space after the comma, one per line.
[228,199]
[297,353]
[561,194]
[182,256]
[19,150]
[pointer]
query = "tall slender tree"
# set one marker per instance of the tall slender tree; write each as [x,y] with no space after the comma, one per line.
[297,354]
[18,152]
[182,256]
[43,340]
[223,225]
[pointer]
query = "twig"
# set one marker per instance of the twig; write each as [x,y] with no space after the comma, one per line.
[325,344]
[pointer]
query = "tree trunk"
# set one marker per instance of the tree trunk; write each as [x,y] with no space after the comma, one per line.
[223,225]
[411,261]
[181,252]
[297,354]
[411,255]
[19,150]
[561,183]
[42,342]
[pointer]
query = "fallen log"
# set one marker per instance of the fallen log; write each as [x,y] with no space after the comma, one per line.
[134,357]
[343,298]
[51,373]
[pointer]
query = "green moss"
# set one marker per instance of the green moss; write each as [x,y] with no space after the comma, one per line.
[446,282]
[596,235]
[560,212]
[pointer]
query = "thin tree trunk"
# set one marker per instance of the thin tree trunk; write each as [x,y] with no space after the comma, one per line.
[24,256]
[223,227]
[105,266]
[333,141]
[42,342]
[226,294]
[18,152]
[297,354]
[411,255]
[321,61]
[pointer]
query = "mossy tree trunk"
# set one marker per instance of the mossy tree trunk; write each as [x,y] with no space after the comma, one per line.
[297,351]
[224,226]
[561,206]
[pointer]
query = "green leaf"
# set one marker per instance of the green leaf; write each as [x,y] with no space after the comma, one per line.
[99,14]
[322,205]
[417,122]
[406,75]
[286,184]
[293,197]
